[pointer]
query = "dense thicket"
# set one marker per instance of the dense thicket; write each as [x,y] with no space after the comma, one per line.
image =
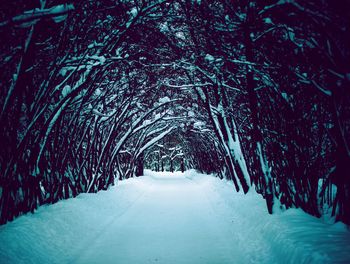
[93,91]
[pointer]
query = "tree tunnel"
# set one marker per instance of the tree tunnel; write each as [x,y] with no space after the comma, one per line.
[95,91]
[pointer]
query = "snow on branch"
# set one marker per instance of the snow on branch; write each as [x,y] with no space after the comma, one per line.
[303,78]
[151,7]
[231,88]
[98,113]
[185,86]
[154,140]
[57,13]
[297,6]
[322,89]
[135,127]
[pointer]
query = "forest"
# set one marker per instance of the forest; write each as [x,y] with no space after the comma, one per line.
[255,92]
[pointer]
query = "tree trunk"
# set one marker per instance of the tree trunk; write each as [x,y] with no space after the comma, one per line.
[256,130]
[139,165]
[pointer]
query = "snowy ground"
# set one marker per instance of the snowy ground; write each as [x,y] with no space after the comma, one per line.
[170,218]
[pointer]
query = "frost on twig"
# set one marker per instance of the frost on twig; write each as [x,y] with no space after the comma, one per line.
[28,18]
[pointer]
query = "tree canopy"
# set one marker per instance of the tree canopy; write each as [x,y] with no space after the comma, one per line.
[254,92]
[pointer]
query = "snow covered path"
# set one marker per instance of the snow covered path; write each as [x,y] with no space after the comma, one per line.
[174,218]
[172,222]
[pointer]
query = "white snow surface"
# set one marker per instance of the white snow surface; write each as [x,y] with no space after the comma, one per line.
[171,218]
